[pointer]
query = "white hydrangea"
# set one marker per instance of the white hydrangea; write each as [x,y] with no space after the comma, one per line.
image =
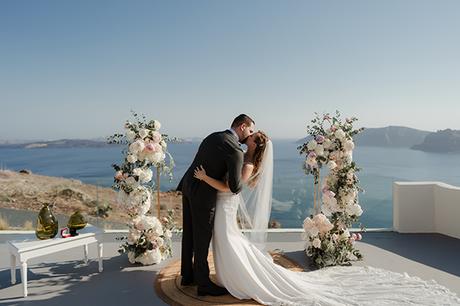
[312,144]
[349,145]
[340,134]
[136,147]
[143,133]
[316,243]
[131,158]
[130,135]
[319,150]
[145,175]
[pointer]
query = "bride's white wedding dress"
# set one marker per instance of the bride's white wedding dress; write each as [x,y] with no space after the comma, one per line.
[249,273]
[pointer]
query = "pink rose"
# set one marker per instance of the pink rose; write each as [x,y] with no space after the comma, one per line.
[320,139]
[150,147]
[312,154]
[359,236]
[119,175]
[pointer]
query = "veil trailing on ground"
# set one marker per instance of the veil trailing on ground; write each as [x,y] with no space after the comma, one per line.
[256,201]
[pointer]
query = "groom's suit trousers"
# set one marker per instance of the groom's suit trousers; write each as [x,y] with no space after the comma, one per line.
[221,157]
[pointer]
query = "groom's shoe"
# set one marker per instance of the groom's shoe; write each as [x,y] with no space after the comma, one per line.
[212,290]
[187,282]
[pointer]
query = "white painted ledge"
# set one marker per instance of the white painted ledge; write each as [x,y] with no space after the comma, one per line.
[426,207]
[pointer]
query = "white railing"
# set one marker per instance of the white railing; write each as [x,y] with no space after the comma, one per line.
[426,207]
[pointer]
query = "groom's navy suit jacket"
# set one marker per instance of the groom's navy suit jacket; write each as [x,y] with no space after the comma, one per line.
[219,154]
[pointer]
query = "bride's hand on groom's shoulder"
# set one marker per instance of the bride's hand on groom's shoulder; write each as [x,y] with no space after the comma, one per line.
[200,173]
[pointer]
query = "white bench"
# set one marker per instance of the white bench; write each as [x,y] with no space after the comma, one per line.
[22,251]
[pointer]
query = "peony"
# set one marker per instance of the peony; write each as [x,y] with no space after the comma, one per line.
[319,150]
[133,235]
[310,227]
[130,135]
[143,133]
[156,137]
[340,134]
[349,145]
[322,223]
[156,157]
[131,158]
[316,243]
[312,145]
[332,165]
[156,125]
[136,147]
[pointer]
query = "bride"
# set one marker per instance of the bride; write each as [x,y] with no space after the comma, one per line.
[248,271]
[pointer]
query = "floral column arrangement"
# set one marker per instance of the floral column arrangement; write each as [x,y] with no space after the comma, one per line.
[149,239]
[330,144]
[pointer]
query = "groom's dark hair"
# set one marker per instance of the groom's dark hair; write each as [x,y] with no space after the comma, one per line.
[242,119]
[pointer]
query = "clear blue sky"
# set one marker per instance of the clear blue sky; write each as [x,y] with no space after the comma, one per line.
[76,68]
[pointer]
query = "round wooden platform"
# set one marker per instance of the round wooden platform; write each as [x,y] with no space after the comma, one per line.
[168,288]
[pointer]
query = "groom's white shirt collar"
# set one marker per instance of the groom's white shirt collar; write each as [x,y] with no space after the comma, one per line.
[234,134]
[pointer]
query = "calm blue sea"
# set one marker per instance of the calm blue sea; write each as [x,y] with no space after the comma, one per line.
[292,188]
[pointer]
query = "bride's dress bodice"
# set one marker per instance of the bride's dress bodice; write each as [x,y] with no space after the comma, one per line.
[248,273]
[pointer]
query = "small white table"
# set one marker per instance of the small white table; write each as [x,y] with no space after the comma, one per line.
[26,249]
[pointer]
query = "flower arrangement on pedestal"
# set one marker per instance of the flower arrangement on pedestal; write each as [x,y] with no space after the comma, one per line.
[330,143]
[149,238]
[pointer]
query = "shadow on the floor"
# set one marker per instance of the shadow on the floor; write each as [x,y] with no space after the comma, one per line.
[434,250]
[84,285]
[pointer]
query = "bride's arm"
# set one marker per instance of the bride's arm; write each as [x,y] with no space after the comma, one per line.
[200,174]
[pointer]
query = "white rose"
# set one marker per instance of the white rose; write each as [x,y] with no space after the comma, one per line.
[131,257]
[156,125]
[340,134]
[143,133]
[327,143]
[349,145]
[312,144]
[145,175]
[133,235]
[332,165]
[319,150]
[136,147]
[354,210]
[316,243]
[131,181]
[130,135]
[131,158]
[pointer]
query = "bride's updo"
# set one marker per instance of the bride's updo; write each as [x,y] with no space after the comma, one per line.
[260,139]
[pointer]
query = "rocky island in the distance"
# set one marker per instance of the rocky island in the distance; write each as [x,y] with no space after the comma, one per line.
[442,141]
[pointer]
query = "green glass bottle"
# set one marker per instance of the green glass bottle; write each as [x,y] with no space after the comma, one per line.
[76,222]
[47,224]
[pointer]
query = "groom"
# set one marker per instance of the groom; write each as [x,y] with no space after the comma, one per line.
[222,157]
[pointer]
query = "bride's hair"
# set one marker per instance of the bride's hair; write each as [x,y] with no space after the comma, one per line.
[261,139]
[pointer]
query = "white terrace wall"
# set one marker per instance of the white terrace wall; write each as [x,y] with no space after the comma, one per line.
[426,207]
